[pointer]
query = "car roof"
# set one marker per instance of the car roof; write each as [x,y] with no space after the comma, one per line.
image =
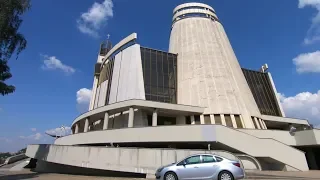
[203,154]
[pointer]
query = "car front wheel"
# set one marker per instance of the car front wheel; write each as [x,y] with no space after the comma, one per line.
[170,176]
[225,175]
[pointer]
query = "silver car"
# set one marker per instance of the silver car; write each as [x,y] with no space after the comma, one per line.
[202,166]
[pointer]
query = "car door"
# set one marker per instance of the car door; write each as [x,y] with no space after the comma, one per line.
[189,168]
[208,167]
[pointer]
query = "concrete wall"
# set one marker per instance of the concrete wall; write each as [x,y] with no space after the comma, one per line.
[262,148]
[209,74]
[127,79]
[144,161]
[15,158]
[200,133]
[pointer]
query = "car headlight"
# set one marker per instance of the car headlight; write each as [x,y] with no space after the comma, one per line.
[160,169]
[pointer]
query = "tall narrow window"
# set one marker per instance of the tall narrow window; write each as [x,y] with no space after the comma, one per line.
[207,119]
[238,121]
[228,120]
[217,119]
[188,120]
[197,119]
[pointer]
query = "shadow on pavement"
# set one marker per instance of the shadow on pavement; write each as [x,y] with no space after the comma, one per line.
[19,176]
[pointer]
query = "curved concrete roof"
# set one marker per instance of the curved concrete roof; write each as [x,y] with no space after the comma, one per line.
[123,42]
[193,4]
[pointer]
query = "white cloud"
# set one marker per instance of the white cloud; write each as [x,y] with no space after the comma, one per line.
[84,96]
[33,129]
[96,16]
[83,99]
[308,62]
[304,105]
[52,63]
[59,131]
[313,34]
[36,136]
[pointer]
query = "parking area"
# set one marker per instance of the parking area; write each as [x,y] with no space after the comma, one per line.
[256,175]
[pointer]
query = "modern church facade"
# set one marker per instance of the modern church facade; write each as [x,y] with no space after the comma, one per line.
[149,107]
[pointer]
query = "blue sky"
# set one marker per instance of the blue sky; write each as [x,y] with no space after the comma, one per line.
[53,76]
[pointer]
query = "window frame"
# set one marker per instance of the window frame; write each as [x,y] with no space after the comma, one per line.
[202,159]
[184,161]
[216,157]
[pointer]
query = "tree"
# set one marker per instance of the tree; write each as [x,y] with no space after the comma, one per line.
[11,40]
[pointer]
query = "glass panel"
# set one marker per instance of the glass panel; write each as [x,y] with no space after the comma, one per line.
[193,160]
[197,119]
[208,159]
[207,119]
[228,120]
[219,159]
[217,119]
[238,121]
[159,75]
[188,120]
[262,91]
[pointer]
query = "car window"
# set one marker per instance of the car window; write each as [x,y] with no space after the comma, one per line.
[193,160]
[208,159]
[219,159]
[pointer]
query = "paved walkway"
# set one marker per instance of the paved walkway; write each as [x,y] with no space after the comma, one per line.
[28,175]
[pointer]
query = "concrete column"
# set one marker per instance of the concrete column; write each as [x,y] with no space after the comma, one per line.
[257,122]
[106,121]
[233,119]
[76,130]
[86,125]
[193,121]
[202,119]
[242,121]
[155,117]
[223,120]
[212,119]
[131,117]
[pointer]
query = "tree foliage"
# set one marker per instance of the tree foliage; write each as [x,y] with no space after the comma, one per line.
[11,40]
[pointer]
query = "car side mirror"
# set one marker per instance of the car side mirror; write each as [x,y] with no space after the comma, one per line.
[184,163]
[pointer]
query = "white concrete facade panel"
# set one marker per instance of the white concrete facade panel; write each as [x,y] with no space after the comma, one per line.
[115,78]
[103,93]
[123,42]
[96,99]
[127,79]
[94,90]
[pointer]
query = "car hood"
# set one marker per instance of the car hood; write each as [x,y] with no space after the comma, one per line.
[168,165]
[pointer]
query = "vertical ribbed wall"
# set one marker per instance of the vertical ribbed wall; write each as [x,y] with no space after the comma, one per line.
[209,74]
